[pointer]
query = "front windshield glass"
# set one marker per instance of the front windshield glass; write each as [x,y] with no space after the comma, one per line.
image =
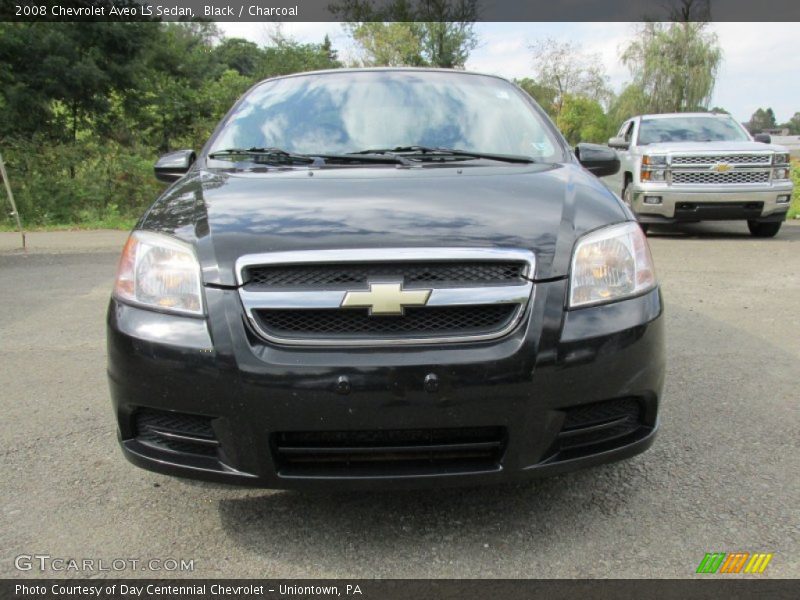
[690,129]
[337,113]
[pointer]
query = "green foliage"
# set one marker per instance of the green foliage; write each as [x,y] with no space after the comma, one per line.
[793,124]
[415,33]
[545,96]
[794,209]
[675,64]
[761,120]
[582,120]
[566,70]
[81,126]
[76,182]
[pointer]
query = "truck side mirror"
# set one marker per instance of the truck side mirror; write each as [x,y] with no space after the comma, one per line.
[619,143]
[171,167]
[598,160]
[764,138]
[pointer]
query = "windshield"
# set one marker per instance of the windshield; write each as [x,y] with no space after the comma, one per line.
[690,129]
[337,113]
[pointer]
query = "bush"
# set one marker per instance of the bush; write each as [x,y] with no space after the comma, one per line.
[81,183]
[794,209]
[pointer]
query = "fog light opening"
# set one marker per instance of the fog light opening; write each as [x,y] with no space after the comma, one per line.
[652,199]
[784,199]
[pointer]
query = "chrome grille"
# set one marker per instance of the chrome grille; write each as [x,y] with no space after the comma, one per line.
[732,159]
[711,177]
[345,276]
[462,294]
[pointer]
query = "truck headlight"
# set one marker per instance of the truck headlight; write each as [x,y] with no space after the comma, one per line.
[780,158]
[780,173]
[654,160]
[610,264]
[159,272]
[653,167]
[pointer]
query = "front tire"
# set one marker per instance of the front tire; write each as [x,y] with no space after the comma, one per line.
[764,230]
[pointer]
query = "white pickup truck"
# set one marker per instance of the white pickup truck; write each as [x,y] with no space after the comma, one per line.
[688,167]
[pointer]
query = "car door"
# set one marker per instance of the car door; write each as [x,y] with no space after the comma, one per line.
[616,181]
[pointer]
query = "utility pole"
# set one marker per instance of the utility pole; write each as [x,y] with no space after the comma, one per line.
[4,177]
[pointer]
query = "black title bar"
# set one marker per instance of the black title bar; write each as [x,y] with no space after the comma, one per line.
[382,10]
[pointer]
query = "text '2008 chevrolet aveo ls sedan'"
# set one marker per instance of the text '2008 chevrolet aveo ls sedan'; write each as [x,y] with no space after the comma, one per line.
[385,278]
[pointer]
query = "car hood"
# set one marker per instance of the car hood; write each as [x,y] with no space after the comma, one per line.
[541,207]
[709,147]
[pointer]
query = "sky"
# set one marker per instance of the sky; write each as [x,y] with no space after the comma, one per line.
[761,61]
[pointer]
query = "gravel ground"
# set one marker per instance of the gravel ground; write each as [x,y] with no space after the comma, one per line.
[722,476]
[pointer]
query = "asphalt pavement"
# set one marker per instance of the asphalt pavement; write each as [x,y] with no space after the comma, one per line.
[722,475]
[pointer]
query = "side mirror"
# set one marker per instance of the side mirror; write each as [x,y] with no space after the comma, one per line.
[174,165]
[618,142]
[598,160]
[764,138]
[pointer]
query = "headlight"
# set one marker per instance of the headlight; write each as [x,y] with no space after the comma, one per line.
[654,175]
[610,264]
[780,158]
[780,173]
[654,160]
[157,271]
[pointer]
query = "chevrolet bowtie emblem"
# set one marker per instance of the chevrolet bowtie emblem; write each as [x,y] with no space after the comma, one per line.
[386,298]
[721,167]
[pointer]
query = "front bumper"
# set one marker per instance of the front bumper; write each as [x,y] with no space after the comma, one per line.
[710,203]
[528,386]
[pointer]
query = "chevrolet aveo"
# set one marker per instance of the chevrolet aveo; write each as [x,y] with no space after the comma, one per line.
[389,278]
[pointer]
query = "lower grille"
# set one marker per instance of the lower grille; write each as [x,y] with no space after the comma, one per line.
[414,451]
[600,423]
[710,177]
[416,322]
[176,432]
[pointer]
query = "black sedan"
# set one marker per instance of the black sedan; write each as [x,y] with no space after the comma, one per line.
[386,277]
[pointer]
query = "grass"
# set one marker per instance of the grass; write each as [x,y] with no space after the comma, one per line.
[121,223]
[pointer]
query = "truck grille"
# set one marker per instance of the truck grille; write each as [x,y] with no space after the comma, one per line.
[386,296]
[711,177]
[392,452]
[422,273]
[731,159]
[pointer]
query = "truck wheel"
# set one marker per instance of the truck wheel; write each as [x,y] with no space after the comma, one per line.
[764,230]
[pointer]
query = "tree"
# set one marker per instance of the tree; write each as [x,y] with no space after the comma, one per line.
[582,120]
[761,120]
[565,68]
[77,68]
[240,55]
[630,102]
[545,96]
[437,33]
[674,64]
[793,124]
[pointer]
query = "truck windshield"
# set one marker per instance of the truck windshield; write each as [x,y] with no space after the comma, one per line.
[352,111]
[690,129]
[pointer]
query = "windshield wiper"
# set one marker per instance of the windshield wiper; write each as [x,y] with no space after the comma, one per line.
[266,155]
[279,156]
[422,152]
[369,157]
